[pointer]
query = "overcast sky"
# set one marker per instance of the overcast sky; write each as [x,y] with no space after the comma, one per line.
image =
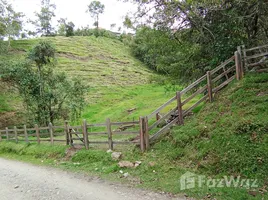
[75,11]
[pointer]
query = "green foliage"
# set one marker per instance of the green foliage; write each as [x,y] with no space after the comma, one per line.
[65,28]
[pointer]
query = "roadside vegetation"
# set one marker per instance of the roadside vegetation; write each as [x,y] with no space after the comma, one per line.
[226,138]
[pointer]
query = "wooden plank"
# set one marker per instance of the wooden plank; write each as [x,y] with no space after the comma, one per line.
[209,86]
[244,57]
[199,91]
[239,50]
[85,134]
[213,71]
[142,145]
[125,142]
[161,107]
[146,134]
[179,107]
[59,140]
[43,128]
[223,74]
[96,125]
[256,64]
[110,136]
[195,105]
[58,127]
[224,84]
[98,133]
[237,66]
[162,130]
[37,133]
[98,142]
[26,134]
[125,132]
[188,88]
[162,119]
[75,127]
[51,133]
[7,136]
[124,123]
[30,129]
[16,134]
[256,48]
[256,55]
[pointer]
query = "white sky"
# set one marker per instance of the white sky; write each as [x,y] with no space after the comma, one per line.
[75,11]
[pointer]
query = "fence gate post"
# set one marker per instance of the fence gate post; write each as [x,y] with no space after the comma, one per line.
[51,133]
[16,134]
[7,135]
[179,105]
[85,134]
[245,57]
[26,134]
[238,65]
[110,136]
[209,86]
[146,133]
[142,147]
[66,127]
[37,133]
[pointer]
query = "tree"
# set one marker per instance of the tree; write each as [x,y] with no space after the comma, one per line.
[44,22]
[59,98]
[11,21]
[95,8]
[66,28]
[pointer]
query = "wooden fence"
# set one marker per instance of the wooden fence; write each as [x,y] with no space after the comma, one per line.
[156,123]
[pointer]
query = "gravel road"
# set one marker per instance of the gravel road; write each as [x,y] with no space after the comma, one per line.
[21,181]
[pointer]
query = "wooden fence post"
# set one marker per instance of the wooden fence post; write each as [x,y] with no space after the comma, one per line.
[26,134]
[85,134]
[0,136]
[7,135]
[209,86]
[51,133]
[239,50]
[179,105]
[37,133]
[16,134]
[146,133]
[157,116]
[141,123]
[110,136]
[67,132]
[244,57]
[238,65]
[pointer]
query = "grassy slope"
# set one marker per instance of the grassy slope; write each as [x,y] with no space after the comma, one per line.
[228,137]
[116,81]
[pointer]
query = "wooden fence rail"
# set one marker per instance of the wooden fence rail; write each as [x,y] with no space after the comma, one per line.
[199,91]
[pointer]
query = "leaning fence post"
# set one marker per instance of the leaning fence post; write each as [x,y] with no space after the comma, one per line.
[141,123]
[66,127]
[239,50]
[85,134]
[7,135]
[51,133]
[109,130]
[16,134]
[26,134]
[37,133]
[179,105]
[146,133]
[209,86]
[237,65]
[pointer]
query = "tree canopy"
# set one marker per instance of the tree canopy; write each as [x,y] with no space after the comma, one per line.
[95,8]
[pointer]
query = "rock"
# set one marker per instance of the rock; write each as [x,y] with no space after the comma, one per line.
[121,172]
[116,155]
[126,164]
[16,186]
[137,163]
[126,175]
[151,164]
[109,151]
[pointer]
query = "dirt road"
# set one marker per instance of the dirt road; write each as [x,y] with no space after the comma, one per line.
[20,181]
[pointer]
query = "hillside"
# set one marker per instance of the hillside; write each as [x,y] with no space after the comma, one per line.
[116,81]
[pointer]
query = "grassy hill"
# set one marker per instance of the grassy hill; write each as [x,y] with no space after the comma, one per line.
[116,81]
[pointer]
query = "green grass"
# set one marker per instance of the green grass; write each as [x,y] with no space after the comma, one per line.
[226,138]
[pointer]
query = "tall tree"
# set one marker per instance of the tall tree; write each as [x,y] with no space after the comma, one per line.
[95,8]
[45,16]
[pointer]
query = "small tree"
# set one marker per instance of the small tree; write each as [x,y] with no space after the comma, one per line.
[47,95]
[95,8]
[66,28]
